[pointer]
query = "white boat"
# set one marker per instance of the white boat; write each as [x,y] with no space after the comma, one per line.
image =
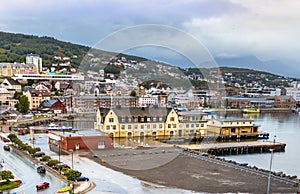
[53,126]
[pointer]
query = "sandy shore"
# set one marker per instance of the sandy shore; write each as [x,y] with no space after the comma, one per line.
[167,166]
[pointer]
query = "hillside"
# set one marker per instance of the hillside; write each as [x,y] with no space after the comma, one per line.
[15,47]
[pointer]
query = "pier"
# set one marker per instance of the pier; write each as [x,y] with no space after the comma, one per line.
[235,148]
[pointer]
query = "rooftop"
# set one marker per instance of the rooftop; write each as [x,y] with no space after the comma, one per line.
[85,133]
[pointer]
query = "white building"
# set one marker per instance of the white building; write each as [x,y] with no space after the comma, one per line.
[147,101]
[36,60]
[293,92]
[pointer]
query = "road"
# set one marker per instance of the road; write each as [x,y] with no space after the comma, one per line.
[25,170]
[106,180]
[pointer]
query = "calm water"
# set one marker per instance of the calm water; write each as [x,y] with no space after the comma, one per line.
[284,127]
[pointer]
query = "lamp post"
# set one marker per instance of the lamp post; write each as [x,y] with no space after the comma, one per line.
[269,177]
[72,151]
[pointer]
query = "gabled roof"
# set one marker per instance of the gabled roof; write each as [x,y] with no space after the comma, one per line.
[11,81]
[48,103]
[141,112]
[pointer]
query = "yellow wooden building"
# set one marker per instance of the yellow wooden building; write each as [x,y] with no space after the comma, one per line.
[138,121]
[232,128]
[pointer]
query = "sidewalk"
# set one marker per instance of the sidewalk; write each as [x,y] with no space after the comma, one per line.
[82,187]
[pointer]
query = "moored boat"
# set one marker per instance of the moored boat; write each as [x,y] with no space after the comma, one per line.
[251,110]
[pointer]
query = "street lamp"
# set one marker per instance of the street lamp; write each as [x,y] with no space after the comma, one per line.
[72,151]
[73,184]
[269,177]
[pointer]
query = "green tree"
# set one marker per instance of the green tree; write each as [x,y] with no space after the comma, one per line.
[6,175]
[133,93]
[23,104]
[72,175]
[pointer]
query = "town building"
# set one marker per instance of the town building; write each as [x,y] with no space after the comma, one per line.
[138,121]
[81,140]
[36,97]
[284,102]
[224,129]
[10,69]
[11,85]
[293,92]
[6,99]
[36,60]
[53,106]
[192,123]
[91,103]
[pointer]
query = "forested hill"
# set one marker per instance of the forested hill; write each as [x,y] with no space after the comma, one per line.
[15,47]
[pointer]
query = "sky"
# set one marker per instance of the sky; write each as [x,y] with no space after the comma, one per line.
[267,29]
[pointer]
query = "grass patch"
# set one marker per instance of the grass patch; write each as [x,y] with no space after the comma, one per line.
[8,185]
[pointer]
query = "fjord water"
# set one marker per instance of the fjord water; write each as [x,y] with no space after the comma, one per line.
[285,128]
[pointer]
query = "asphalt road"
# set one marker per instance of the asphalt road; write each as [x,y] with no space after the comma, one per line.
[25,170]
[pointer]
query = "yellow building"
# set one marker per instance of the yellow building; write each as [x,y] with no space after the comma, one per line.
[192,123]
[232,128]
[36,97]
[138,121]
[9,69]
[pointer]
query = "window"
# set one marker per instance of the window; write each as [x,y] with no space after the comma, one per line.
[160,126]
[148,126]
[107,127]
[187,125]
[154,118]
[122,126]
[169,126]
[160,118]
[192,125]
[135,126]
[154,126]
[129,126]
[197,125]
[111,120]
[172,119]
[142,126]
[202,125]
[174,126]
[114,127]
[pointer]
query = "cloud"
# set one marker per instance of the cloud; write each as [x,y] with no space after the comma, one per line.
[267,29]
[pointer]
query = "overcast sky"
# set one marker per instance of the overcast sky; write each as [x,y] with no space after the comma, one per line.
[268,29]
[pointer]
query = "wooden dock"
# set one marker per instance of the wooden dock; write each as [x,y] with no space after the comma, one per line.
[235,148]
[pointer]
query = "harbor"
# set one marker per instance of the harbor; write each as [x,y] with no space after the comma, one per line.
[235,148]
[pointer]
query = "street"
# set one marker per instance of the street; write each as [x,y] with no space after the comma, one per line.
[25,170]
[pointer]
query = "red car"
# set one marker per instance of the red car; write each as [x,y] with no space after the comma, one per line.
[42,185]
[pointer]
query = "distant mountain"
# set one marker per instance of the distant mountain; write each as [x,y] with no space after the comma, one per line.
[252,62]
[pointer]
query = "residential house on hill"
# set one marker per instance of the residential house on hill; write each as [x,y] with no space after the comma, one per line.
[11,85]
[6,98]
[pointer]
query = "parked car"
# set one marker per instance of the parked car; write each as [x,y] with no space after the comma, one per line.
[6,148]
[41,169]
[42,185]
[82,178]
[18,181]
